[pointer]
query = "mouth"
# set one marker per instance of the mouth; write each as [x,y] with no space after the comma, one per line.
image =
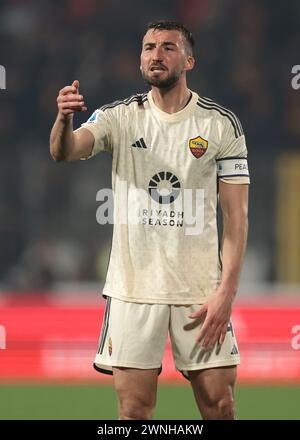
[157,69]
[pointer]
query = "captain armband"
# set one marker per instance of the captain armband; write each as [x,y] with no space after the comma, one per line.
[232,167]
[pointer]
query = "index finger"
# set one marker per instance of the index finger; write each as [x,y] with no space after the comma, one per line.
[75,83]
[206,330]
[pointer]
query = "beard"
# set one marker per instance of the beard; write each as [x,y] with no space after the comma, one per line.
[161,83]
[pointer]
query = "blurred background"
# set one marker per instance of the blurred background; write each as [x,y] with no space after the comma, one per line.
[51,248]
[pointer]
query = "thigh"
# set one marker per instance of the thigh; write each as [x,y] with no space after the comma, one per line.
[136,385]
[213,384]
[214,392]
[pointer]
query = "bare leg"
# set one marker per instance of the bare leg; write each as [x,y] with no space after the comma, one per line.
[214,392]
[136,390]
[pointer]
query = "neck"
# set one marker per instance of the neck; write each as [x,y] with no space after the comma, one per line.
[171,100]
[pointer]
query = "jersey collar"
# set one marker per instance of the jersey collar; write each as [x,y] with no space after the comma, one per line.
[174,117]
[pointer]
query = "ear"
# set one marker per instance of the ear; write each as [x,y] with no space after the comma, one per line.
[189,63]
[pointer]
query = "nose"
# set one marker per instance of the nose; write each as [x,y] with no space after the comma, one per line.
[157,54]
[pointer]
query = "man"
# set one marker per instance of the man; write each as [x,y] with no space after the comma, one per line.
[164,276]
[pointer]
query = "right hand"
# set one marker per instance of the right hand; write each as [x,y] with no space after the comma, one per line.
[69,101]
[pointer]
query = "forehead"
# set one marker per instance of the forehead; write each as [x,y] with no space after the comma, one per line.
[159,36]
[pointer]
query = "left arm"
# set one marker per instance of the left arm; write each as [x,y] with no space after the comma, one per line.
[217,309]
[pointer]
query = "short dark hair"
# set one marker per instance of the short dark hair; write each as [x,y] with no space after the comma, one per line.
[170,25]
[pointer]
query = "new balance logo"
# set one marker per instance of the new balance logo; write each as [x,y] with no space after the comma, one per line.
[234,350]
[139,144]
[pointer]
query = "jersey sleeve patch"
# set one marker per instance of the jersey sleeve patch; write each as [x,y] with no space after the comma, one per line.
[232,167]
[93,118]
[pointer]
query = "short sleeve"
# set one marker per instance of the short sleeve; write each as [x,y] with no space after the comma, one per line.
[99,125]
[232,164]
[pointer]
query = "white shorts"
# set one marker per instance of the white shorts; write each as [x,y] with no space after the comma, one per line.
[134,335]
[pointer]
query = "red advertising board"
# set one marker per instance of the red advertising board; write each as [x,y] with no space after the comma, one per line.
[45,340]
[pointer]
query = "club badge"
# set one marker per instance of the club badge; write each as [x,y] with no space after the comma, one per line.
[198,146]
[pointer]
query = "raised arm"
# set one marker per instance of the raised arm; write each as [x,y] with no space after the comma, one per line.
[66,144]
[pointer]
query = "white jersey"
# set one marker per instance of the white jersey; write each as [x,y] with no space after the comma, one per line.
[165,168]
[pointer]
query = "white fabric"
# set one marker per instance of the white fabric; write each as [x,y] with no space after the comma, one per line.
[134,335]
[160,253]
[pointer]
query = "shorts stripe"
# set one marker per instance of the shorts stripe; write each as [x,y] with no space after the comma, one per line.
[105,326]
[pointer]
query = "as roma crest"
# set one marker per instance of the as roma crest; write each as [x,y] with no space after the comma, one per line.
[110,346]
[198,146]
